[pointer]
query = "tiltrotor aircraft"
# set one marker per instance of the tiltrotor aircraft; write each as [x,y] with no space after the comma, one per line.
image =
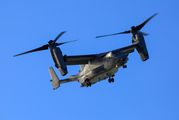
[94,67]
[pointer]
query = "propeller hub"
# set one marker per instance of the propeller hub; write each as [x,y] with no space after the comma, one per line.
[133,29]
[50,42]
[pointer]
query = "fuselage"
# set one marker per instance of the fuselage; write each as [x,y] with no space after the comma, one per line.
[101,68]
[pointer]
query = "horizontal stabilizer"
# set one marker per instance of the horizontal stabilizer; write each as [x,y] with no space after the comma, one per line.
[54,78]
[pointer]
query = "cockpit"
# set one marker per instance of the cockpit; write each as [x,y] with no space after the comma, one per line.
[109,55]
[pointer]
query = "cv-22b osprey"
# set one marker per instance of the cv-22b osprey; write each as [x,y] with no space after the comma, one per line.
[94,67]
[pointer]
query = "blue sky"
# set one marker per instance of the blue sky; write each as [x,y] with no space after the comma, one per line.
[145,90]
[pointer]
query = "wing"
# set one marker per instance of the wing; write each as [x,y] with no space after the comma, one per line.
[80,59]
[83,59]
[129,49]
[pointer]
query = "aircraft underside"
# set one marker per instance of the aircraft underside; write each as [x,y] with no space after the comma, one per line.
[104,75]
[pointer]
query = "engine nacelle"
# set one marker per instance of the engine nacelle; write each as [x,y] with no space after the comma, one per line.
[59,61]
[142,48]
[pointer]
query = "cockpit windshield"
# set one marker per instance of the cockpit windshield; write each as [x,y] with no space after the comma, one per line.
[109,55]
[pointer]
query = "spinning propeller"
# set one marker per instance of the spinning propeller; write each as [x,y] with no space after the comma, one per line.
[51,43]
[133,28]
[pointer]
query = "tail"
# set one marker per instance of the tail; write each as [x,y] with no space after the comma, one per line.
[54,78]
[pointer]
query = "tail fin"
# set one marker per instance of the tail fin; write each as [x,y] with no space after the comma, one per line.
[54,78]
[142,48]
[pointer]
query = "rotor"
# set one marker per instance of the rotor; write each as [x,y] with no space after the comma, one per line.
[51,43]
[133,28]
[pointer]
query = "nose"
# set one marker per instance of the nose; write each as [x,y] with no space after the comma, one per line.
[123,59]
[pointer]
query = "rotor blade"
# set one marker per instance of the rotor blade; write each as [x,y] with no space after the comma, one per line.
[142,24]
[44,47]
[145,34]
[57,44]
[58,36]
[113,34]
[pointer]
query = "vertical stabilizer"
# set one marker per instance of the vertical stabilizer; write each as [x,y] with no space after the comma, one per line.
[54,78]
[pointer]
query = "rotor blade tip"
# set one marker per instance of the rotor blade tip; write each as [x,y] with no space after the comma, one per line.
[16,55]
[155,14]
